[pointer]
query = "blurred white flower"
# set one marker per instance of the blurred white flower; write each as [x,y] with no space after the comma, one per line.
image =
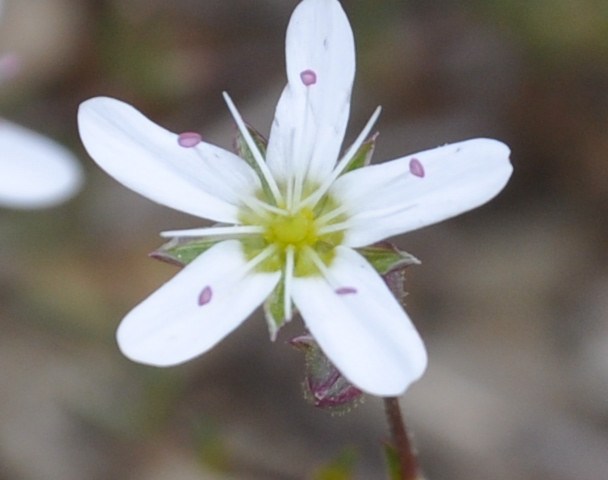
[291,216]
[36,172]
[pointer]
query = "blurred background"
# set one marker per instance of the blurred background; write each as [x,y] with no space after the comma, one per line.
[511,298]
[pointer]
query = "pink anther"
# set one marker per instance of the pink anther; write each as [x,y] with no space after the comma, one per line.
[205,296]
[308,77]
[416,168]
[189,139]
[346,290]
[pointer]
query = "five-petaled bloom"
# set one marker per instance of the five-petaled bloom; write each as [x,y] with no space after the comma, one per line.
[292,217]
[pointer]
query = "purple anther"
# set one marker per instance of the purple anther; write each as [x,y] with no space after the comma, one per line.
[308,77]
[189,139]
[416,168]
[346,290]
[205,297]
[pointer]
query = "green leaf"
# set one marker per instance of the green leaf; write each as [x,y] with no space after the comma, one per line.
[363,156]
[386,257]
[243,151]
[182,251]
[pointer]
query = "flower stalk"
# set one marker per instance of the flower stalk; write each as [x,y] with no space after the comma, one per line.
[408,465]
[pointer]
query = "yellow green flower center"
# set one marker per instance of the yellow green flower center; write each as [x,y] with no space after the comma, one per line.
[299,232]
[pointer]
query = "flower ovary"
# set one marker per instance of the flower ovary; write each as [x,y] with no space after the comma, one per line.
[297,230]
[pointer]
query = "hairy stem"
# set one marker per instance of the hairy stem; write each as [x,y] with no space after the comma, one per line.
[401,440]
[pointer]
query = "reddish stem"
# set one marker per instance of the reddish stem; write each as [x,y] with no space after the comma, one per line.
[401,440]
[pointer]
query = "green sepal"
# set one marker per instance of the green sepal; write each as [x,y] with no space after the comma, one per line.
[363,157]
[324,385]
[386,257]
[274,309]
[243,151]
[181,251]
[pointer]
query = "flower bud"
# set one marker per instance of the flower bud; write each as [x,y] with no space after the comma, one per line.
[324,385]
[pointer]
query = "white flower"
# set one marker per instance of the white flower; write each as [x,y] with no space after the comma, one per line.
[290,223]
[36,172]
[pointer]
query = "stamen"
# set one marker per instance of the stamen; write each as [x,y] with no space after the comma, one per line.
[343,163]
[205,296]
[215,231]
[290,180]
[309,77]
[301,156]
[346,290]
[334,227]
[206,293]
[263,207]
[354,148]
[317,261]
[289,266]
[189,139]
[272,184]
[416,168]
[324,219]
[263,255]
[328,275]
[260,207]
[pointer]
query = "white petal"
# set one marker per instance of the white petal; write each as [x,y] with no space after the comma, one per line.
[364,331]
[389,199]
[204,180]
[36,172]
[310,121]
[171,327]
